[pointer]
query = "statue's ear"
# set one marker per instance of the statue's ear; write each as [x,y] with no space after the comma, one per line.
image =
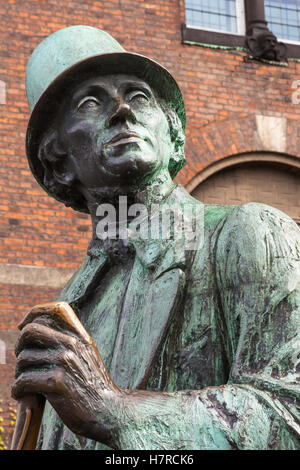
[174,123]
[53,158]
[251,43]
[253,46]
[177,160]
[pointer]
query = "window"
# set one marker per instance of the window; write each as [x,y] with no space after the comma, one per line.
[225,22]
[283,17]
[216,15]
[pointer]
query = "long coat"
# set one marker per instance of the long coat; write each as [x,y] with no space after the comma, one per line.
[218,329]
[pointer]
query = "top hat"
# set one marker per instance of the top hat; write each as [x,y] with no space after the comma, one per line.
[69,56]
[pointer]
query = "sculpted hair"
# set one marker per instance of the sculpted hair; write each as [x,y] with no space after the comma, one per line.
[57,182]
[62,185]
[177,160]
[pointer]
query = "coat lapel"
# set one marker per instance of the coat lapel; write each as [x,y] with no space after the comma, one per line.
[154,293]
[152,298]
[82,282]
[148,309]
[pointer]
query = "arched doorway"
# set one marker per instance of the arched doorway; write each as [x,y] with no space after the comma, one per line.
[272,183]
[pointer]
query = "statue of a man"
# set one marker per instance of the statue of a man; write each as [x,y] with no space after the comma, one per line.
[199,347]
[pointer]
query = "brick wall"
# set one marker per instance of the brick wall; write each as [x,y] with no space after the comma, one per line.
[223,91]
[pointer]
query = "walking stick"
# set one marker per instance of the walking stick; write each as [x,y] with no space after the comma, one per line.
[31,407]
[28,422]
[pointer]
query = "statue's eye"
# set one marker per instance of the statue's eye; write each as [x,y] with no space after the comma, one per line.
[138,96]
[88,103]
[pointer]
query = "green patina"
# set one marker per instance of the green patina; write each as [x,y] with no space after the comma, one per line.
[229,333]
[210,337]
[216,46]
[241,49]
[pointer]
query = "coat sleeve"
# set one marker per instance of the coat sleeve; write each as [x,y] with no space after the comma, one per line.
[258,275]
[257,272]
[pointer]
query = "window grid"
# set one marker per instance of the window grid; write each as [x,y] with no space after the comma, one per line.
[283,17]
[216,15]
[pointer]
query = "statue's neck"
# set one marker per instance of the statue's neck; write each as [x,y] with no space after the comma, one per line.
[119,200]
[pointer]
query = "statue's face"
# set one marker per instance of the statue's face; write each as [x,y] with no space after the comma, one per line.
[114,132]
[269,43]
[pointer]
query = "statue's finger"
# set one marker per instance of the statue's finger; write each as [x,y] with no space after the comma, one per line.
[41,336]
[38,381]
[34,359]
[61,312]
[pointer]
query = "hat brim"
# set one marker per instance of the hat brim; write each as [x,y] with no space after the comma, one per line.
[46,108]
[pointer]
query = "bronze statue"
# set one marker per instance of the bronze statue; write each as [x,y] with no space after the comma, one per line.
[264,45]
[199,345]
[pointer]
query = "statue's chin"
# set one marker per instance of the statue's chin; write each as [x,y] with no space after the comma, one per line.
[129,163]
[270,55]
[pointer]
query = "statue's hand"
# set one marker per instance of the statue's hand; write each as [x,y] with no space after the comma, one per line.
[57,358]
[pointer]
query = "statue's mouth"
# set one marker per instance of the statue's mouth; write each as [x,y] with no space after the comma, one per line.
[124,138]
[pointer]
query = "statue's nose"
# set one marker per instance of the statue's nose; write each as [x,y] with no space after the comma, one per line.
[123,110]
